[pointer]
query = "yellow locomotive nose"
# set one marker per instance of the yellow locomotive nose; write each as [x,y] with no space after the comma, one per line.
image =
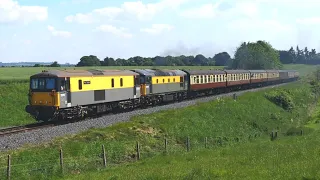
[44,99]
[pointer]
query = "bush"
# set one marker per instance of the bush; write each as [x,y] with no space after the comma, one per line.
[282,98]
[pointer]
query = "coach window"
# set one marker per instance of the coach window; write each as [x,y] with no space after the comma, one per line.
[157,81]
[112,82]
[80,84]
[168,79]
[174,79]
[163,80]
[121,82]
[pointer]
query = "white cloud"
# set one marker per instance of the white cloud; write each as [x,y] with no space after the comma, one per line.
[55,32]
[127,10]
[80,18]
[211,10]
[11,11]
[157,29]
[204,11]
[308,21]
[121,32]
[259,25]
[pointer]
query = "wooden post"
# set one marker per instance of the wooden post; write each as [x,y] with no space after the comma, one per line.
[61,159]
[188,144]
[205,142]
[166,144]
[272,136]
[9,168]
[138,151]
[104,156]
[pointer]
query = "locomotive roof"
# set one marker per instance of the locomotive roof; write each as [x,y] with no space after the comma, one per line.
[90,72]
[205,72]
[160,72]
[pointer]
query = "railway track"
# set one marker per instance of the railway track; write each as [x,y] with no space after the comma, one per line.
[25,128]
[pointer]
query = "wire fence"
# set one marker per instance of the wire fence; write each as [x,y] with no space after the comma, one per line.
[73,161]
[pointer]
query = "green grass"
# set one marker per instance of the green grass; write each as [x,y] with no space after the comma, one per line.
[286,158]
[13,99]
[251,115]
[13,73]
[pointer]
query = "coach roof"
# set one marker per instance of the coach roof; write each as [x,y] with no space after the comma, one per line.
[90,72]
[160,72]
[205,72]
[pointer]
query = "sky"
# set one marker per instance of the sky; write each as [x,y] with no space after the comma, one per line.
[66,30]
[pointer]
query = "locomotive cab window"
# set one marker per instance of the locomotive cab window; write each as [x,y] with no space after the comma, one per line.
[181,79]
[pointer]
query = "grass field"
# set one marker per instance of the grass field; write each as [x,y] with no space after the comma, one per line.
[252,114]
[287,158]
[26,72]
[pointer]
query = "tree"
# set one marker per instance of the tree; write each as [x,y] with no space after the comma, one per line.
[89,61]
[221,59]
[54,64]
[108,62]
[259,55]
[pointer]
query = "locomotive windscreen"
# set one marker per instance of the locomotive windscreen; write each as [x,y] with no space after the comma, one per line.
[43,84]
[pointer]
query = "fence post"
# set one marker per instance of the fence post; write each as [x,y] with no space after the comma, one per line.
[9,167]
[301,132]
[61,159]
[104,156]
[205,142]
[138,151]
[188,144]
[166,144]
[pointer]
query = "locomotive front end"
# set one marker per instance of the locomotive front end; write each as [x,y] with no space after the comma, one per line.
[43,97]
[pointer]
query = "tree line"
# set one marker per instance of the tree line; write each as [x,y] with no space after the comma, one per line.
[249,55]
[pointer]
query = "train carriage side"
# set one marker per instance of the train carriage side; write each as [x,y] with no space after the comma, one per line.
[293,75]
[206,79]
[284,75]
[237,77]
[258,76]
[273,76]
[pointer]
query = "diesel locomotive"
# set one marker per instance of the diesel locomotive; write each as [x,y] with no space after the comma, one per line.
[75,94]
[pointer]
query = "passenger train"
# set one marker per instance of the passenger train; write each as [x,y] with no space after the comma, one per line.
[75,94]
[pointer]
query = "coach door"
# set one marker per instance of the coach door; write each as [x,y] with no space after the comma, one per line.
[64,89]
[136,89]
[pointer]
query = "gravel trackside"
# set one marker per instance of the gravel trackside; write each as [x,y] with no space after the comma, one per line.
[46,134]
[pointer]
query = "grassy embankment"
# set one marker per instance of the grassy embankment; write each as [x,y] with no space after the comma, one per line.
[14,89]
[251,115]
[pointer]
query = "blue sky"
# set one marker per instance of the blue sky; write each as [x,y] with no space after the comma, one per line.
[65,30]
